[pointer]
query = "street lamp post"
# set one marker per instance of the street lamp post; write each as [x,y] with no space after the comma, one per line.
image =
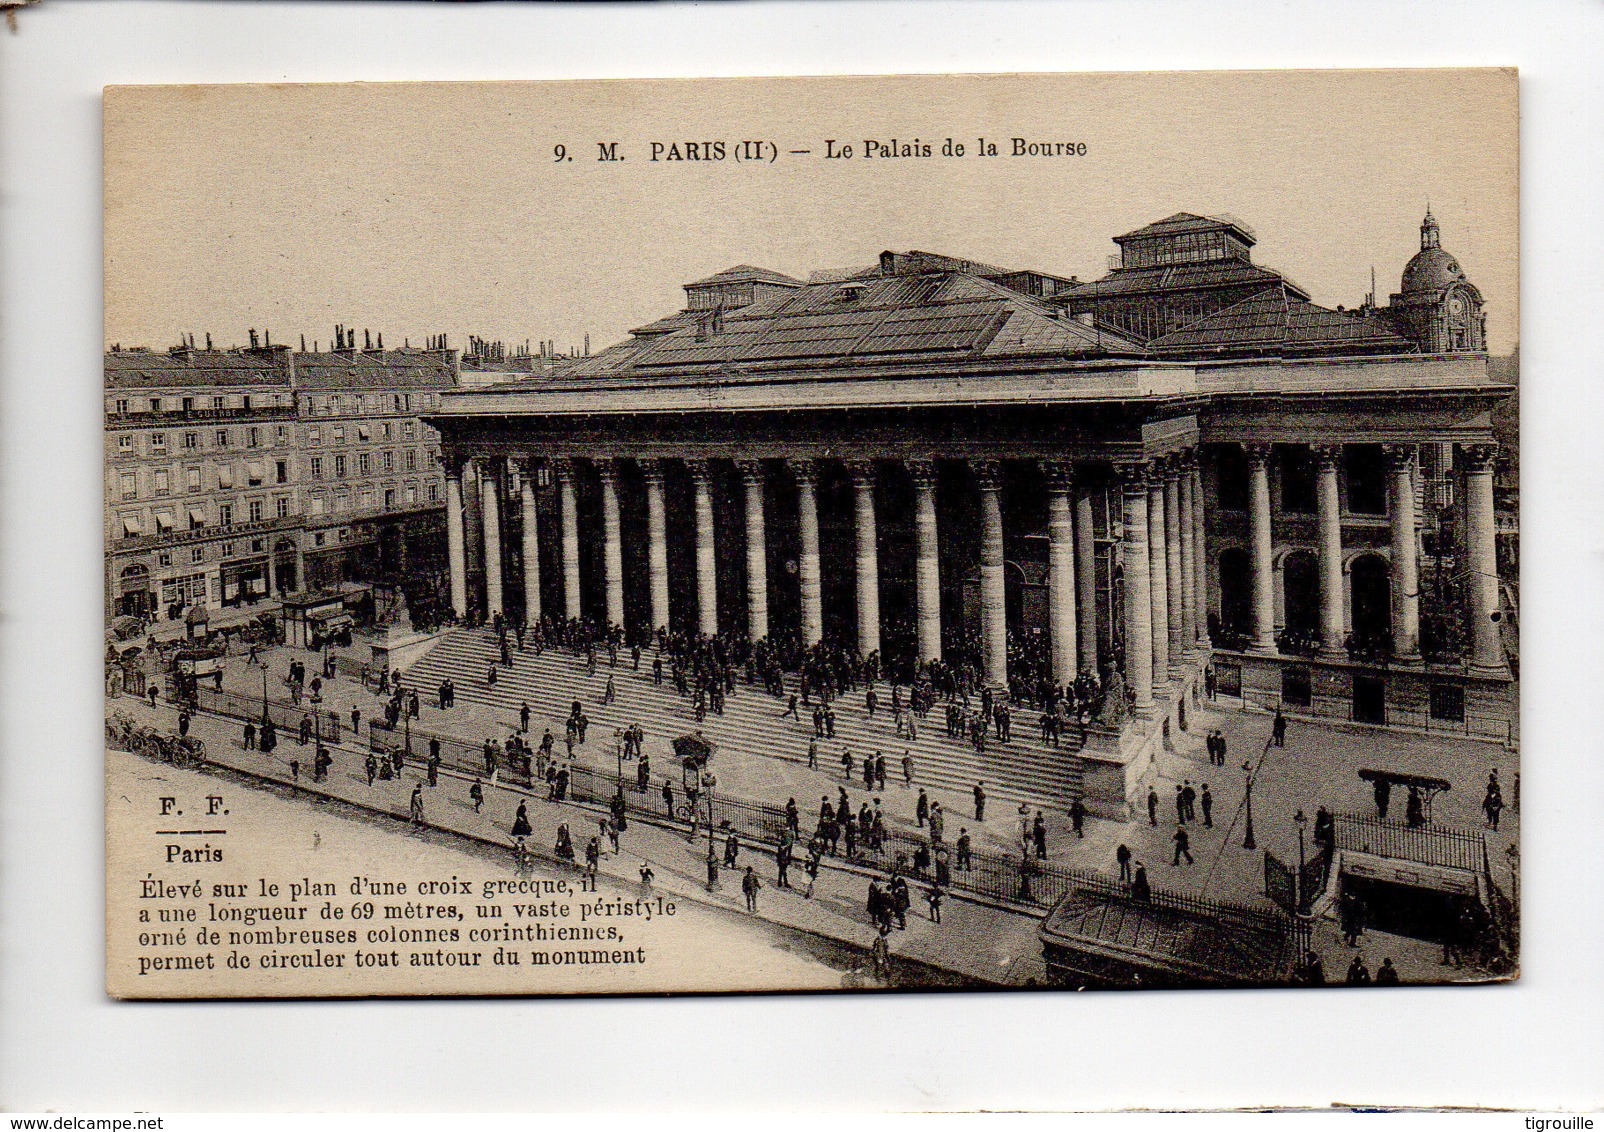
[1300,821]
[1247,841]
[710,781]
[263,665]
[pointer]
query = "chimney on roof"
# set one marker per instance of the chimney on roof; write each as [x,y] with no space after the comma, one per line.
[367,338]
[255,341]
[303,342]
[208,340]
[587,344]
[381,339]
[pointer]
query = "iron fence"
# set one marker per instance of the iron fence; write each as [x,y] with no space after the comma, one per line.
[1430,845]
[286,717]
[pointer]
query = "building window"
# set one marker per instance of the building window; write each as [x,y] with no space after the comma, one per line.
[314,435]
[122,406]
[317,538]
[339,434]
[1448,702]
[155,404]
[130,485]
[158,441]
[161,481]
[363,432]
[339,465]
[132,527]
[412,493]
[281,435]
[387,460]
[412,459]
[256,510]
[281,471]
[409,430]
[245,401]
[254,473]
[389,497]
[364,463]
[1367,479]
[125,442]
[1298,480]
[197,517]
[192,479]
[188,404]
[253,437]
[225,514]
[398,402]
[282,504]
[385,429]
[222,438]
[219,402]
[366,502]
[342,501]
[197,554]
[192,440]
[164,558]
[316,505]
[317,467]
[434,493]
[225,476]
[228,550]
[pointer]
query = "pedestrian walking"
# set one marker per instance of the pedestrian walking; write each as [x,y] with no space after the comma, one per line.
[356,721]
[371,765]
[846,764]
[813,753]
[1152,806]
[1180,805]
[1278,729]
[921,809]
[782,865]
[1140,889]
[980,801]
[907,769]
[1208,806]
[933,898]
[417,803]
[592,857]
[250,735]
[523,718]
[668,797]
[476,794]
[966,859]
[1123,856]
[1183,846]
[880,955]
[433,768]
[1038,835]
[520,824]
[732,850]
[749,888]
[1077,818]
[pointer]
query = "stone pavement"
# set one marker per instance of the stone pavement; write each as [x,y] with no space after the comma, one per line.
[1318,766]
[975,942]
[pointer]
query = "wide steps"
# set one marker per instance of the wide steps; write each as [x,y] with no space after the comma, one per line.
[1023,770]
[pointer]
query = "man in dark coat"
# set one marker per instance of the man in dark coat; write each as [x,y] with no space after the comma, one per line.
[980,801]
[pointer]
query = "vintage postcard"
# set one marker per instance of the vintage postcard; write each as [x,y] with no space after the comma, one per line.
[1052,531]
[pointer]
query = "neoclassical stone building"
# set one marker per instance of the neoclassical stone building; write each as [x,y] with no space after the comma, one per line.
[1181,464]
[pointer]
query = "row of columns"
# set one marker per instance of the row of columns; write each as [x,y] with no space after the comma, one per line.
[1481,558]
[1164,587]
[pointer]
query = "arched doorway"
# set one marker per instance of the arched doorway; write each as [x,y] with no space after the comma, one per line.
[1236,592]
[1371,583]
[1300,594]
[134,598]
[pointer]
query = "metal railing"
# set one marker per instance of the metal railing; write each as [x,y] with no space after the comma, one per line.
[1430,845]
[286,717]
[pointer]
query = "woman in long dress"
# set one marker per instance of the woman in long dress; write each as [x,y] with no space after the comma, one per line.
[520,824]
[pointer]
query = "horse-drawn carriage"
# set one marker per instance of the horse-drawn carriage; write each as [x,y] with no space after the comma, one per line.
[126,733]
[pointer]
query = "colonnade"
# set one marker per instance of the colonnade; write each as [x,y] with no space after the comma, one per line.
[1164,596]
[1481,562]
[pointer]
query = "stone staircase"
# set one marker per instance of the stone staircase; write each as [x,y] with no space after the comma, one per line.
[1024,770]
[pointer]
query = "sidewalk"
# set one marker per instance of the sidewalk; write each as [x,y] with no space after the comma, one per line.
[975,943]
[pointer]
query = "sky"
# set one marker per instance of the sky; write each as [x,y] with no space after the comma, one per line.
[417,209]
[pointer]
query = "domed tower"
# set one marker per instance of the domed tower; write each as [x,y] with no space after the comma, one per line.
[1436,305]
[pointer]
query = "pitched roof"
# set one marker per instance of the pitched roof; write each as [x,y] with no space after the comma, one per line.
[745,273]
[1188,222]
[1278,321]
[1180,277]
[375,369]
[143,369]
[873,319]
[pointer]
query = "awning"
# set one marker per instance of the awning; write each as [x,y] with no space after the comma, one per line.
[363,432]
[254,468]
[197,517]
[132,526]
[164,520]
[225,475]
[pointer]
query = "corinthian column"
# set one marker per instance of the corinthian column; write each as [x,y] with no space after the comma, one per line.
[1086,577]
[531,539]
[807,484]
[862,472]
[1329,545]
[927,560]
[1405,563]
[1200,554]
[1158,576]
[706,551]
[1188,533]
[1481,566]
[1138,589]
[612,542]
[993,592]
[757,556]
[490,496]
[656,543]
[1173,578]
[569,507]
[1263,547]
[456,536]
[1062,628]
